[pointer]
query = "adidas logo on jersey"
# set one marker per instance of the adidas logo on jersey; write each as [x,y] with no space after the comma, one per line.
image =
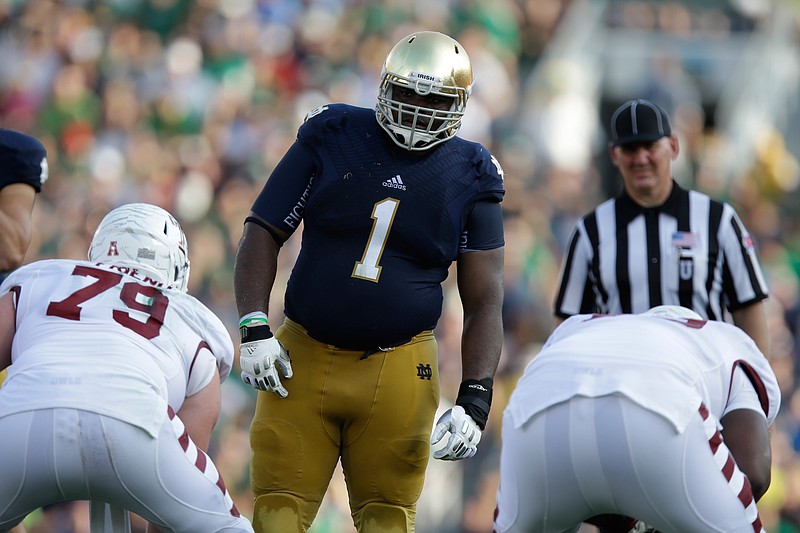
[395,183]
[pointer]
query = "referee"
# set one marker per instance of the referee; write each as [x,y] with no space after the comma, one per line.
[657,243]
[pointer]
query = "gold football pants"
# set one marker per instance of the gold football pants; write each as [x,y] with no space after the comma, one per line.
[374,413]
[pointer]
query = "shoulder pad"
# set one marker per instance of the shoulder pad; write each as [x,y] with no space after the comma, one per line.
[490,172]
[332,117]
[23,159]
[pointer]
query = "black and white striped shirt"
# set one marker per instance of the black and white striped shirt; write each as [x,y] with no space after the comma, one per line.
[691,251]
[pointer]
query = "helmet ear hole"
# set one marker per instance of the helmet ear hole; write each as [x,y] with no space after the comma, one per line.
[145,239]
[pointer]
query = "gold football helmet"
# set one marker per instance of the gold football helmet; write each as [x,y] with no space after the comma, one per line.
[430,63]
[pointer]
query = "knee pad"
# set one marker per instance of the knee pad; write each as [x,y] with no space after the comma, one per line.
[277,513]
[384,518]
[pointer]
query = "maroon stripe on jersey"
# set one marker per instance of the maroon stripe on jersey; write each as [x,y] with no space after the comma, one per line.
[184,440]
[200,346]
[745,495]
[221,483]
[201,461]
[16,290]
[758,384]
[715,442]
[729,468]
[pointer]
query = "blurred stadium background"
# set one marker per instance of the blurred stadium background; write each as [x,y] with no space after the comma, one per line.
[190,104]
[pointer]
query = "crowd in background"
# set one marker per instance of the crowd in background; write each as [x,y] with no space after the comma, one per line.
[189,105]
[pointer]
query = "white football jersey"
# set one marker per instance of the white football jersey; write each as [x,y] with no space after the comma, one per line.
[89,336]
[668,366]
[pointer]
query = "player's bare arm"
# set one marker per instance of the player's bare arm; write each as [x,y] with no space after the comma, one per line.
[200,412]
[255,267]
[752,319]
[7,328]
[747,435]
[16,205]
[480,284]
[262,358]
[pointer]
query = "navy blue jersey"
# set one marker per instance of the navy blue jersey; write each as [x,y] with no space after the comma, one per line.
[381,225]
[23,159]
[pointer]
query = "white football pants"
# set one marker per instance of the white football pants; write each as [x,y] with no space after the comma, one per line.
[53,455]
[608,455]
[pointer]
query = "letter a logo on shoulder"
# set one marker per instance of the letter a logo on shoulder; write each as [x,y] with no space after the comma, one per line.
[112,249]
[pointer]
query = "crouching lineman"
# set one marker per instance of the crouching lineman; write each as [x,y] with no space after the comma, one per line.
[115,384]
[661,416]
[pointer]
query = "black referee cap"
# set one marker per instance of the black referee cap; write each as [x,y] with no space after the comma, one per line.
[639,121]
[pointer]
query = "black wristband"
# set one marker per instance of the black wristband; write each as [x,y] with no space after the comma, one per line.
[475,396]
[255,333]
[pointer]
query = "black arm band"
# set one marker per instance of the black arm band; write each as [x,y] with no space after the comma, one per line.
[255,333]
[475,396]
[269,230]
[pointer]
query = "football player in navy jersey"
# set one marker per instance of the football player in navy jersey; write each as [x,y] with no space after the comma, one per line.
[389,198]
[23,170]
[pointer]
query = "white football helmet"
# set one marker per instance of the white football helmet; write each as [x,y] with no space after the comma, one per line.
[431,63]
[672,311]
[145,237]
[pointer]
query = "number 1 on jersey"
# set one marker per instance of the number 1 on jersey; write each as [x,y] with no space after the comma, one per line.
[383,217]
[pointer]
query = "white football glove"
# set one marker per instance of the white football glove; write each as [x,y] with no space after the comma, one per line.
[464,435]
[260,362]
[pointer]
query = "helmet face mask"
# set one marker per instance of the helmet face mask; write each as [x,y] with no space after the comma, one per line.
[430,64]
[146,238]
